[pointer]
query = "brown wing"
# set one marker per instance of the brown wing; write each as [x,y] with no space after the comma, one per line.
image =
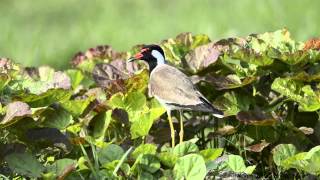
[172,86]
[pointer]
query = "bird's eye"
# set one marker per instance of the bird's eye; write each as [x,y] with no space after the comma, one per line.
[144,49]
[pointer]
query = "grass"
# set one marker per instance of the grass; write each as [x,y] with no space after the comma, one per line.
[37,32]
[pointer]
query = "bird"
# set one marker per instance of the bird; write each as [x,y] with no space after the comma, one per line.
[172,88]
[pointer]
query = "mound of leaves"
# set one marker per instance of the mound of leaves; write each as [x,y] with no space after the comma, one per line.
[96,121]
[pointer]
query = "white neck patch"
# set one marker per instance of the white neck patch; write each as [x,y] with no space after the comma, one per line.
[158,56]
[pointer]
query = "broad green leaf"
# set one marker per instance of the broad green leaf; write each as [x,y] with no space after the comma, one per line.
[211,154]
[233,102]
[313,158]
[168,159]
[87,66]
[141,125]
[144,121]
[140,115]
[236,163]
[101,123]
[45,99]
[138,82]
[56,118]
[60,165]
[76,77]
[185,148]
[282,152]
[308,99]
[296,161]
[77,106]
[189,167]
[25,164]
[135,101]
[110,153]
[144,149]
[82,163]
[156,109]
[175,49]
[145,176]
[249,170]
[146,162]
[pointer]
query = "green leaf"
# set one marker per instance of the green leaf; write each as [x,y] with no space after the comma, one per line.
[236,163]
[59,166]
[140,116]
[135,101]
[185,148]
[138,82]
[175,49]
[56,118]
[233,102]
[249,170]
[45,99]
[101,123]
[211,154]
[141,126]
[168,159]
[110,153]
[144,149]
[282,152]
[156,109]
[297,161]
[146,162]
[145,176]
[132,102]
[308,99]
[87,66]
[77,106]
[4,80]
[25,164]
[313,159]
[76,77]
[191,166]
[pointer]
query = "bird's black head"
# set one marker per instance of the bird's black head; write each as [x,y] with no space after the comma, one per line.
[152,54]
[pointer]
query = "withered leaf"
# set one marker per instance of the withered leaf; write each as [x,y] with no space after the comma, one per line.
[256,117]
[202,57]
[258,147]
[15,111]
[106,74]
[306,130]
[230,81]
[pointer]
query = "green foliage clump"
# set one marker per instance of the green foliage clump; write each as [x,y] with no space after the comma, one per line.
[96,121]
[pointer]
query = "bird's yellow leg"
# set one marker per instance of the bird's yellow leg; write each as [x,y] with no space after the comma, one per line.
[181,127]
[171,128]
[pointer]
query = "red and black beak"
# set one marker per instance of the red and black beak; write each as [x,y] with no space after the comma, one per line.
[138,56]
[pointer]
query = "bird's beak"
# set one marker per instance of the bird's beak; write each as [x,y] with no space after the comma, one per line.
[138,56]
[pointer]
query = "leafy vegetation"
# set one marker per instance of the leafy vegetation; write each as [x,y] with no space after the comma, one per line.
[95,121]
[37,32]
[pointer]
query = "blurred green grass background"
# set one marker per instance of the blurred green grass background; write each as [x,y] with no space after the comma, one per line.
[37,32]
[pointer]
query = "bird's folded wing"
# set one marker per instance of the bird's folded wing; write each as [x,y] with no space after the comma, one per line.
[172,86]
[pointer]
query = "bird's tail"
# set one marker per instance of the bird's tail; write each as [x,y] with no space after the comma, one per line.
[215,112]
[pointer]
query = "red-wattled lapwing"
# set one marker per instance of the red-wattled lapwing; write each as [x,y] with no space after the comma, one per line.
[172,88]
